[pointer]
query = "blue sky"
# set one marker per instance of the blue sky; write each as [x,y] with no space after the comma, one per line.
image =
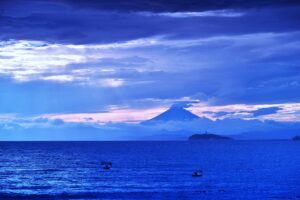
[91,63]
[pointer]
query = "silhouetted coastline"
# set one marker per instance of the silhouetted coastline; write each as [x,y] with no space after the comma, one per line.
[208,136]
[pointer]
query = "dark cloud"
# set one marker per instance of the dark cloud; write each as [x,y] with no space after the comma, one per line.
[183,104]
[68,22]
[176,5]
[219,114]
[266,111]
[255,113]
[156,5]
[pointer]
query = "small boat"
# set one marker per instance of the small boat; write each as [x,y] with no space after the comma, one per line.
[197,173]
[107,167]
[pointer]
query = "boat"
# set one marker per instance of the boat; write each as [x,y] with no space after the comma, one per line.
[296,138]
[107,167]
[197,173]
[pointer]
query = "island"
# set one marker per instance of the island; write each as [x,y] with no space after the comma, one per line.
[296,138]
[208,136]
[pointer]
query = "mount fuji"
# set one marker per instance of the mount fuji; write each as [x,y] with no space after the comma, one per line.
[174,113]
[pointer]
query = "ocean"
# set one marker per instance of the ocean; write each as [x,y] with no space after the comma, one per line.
[150,170]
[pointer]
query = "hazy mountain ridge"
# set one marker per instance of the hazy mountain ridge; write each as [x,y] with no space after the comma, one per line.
[177,119]
[173,124]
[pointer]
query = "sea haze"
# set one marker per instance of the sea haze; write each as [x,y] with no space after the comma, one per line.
[150,170]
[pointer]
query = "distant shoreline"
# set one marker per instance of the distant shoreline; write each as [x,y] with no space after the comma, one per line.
[234,140]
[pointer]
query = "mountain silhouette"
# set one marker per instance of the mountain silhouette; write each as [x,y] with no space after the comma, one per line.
[174,114]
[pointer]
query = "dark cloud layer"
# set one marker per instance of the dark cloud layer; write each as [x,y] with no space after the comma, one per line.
[254,113]
[176,5]
[98,22]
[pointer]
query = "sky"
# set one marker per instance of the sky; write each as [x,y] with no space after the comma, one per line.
[89,64]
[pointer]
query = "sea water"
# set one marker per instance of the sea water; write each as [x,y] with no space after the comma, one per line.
[150,170]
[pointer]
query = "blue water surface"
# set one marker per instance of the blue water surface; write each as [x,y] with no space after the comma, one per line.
[150,170]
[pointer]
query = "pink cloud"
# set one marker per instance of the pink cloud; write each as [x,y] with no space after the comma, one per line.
[113,115]
[129,115]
